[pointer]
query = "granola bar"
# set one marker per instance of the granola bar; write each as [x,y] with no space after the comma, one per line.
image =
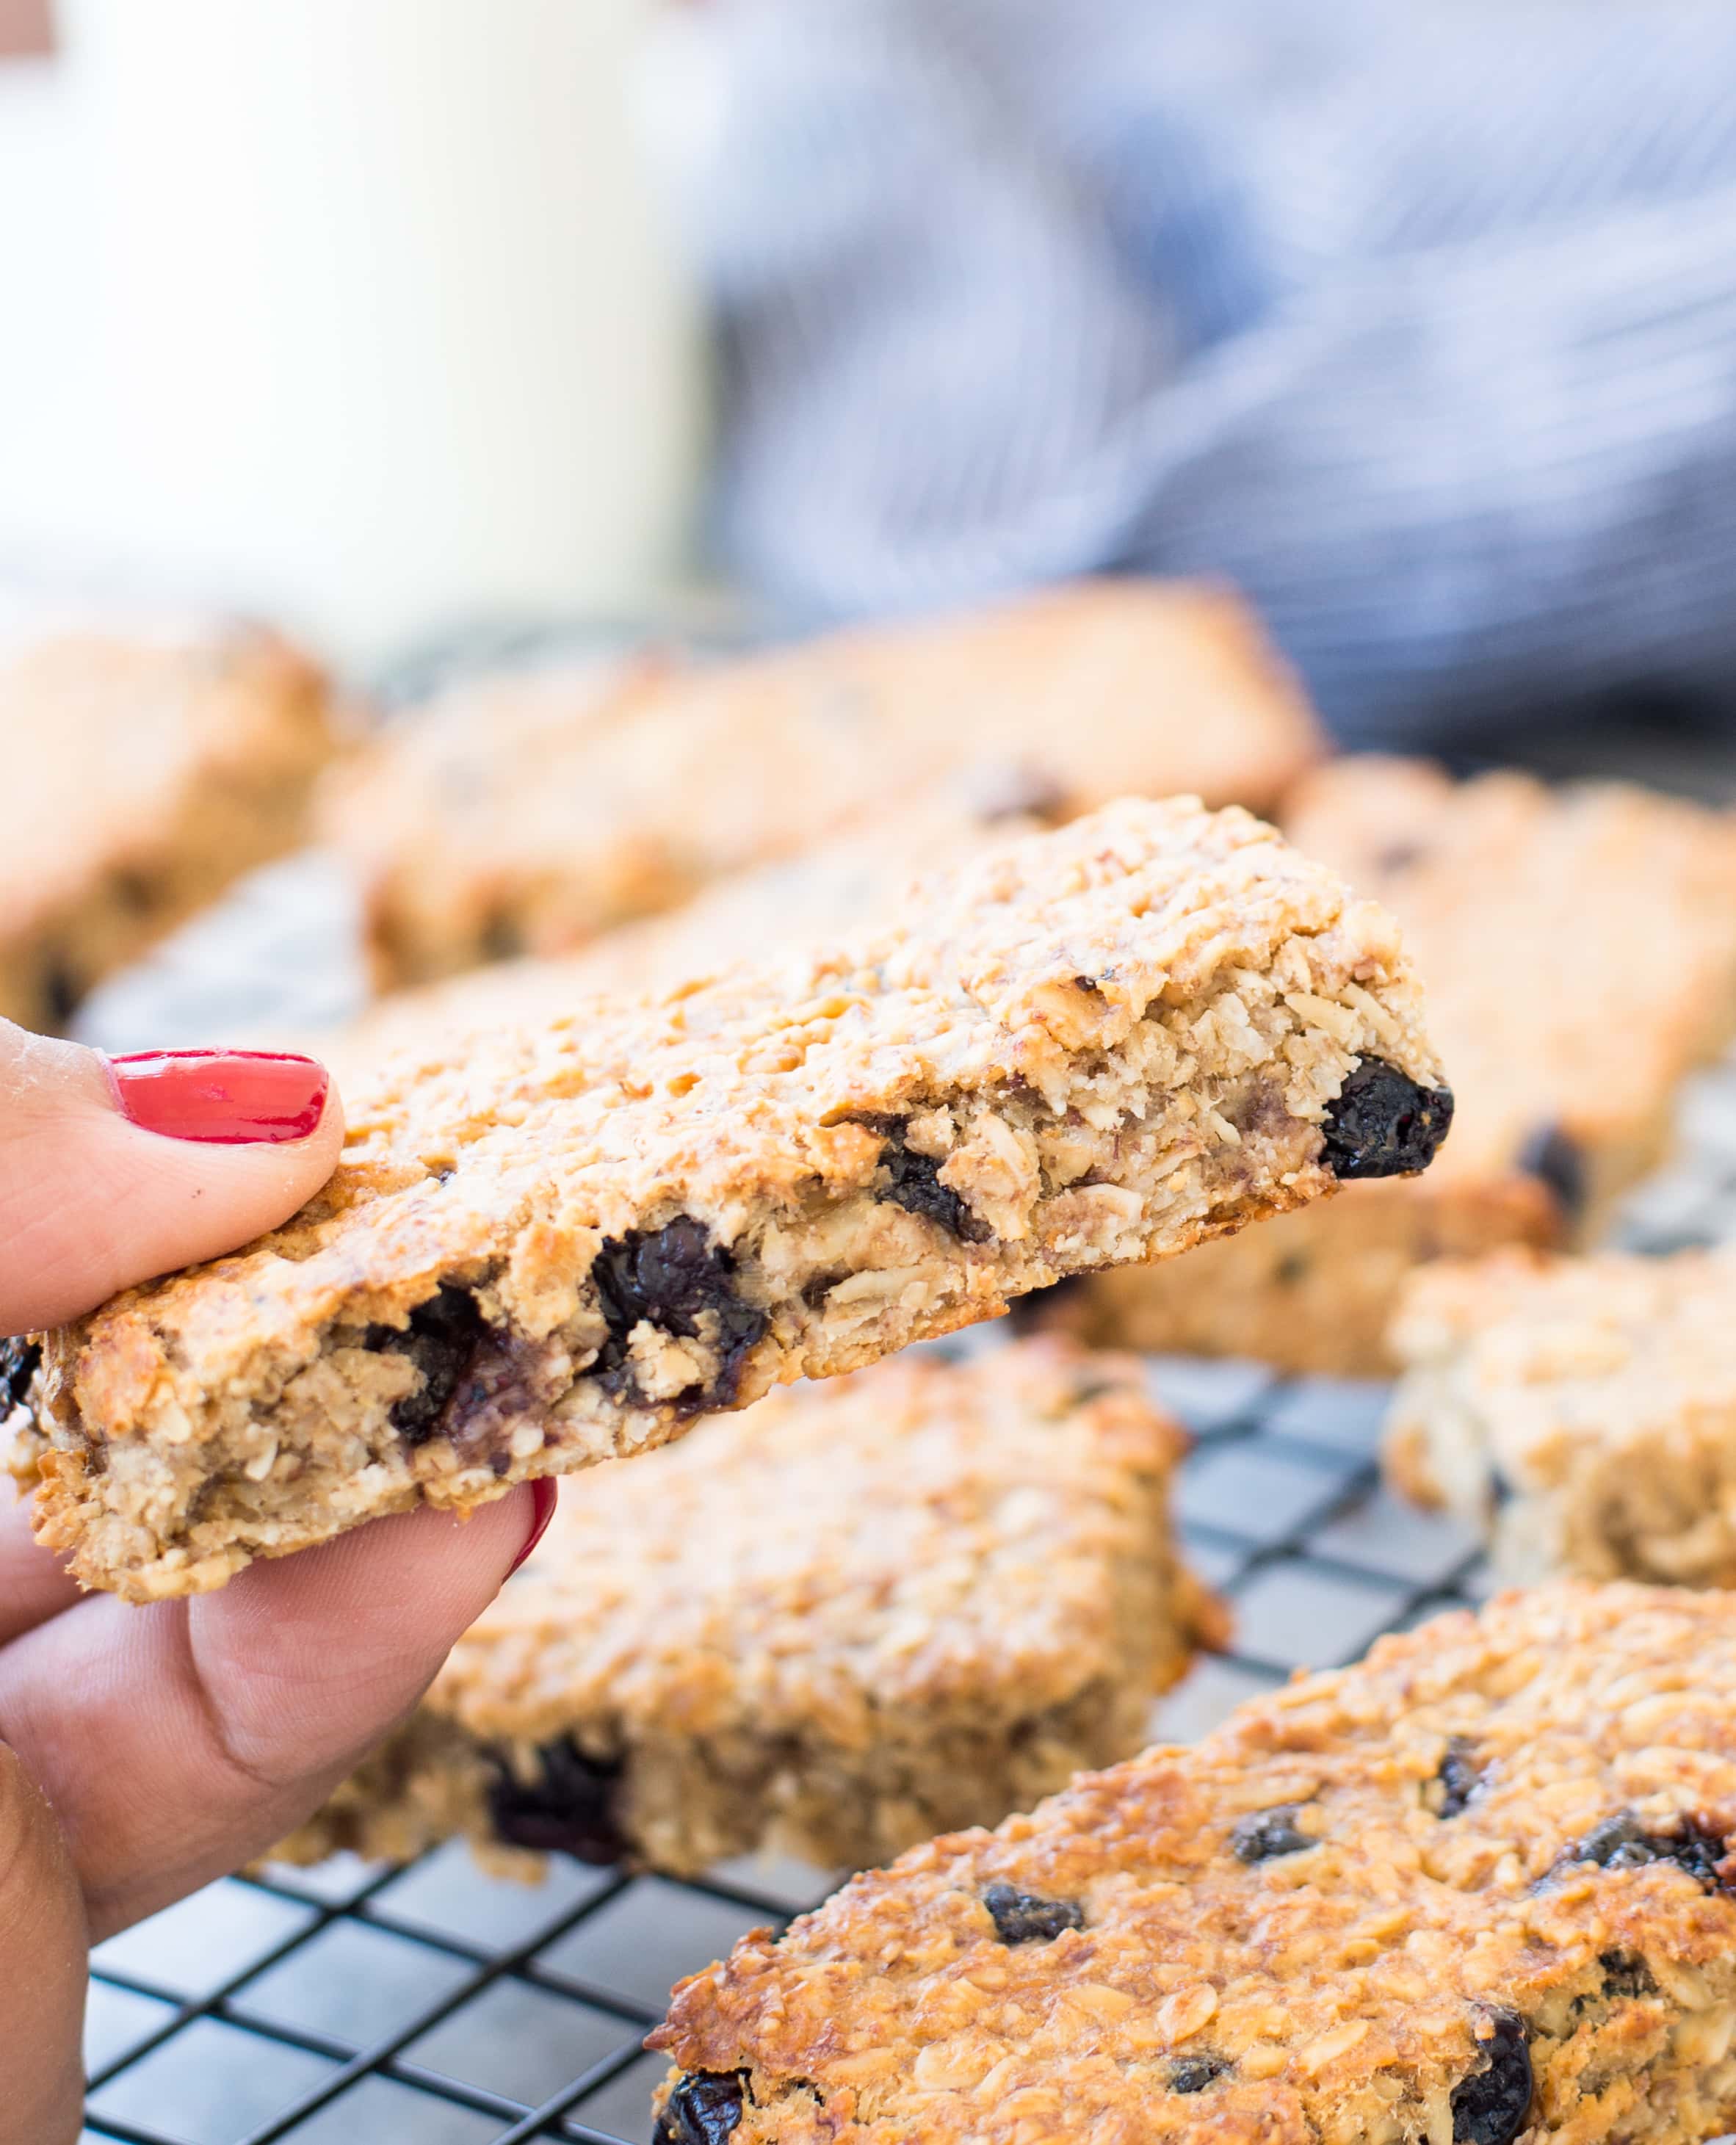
[1111,1041]
[1478,1889]
[144,772]
[525,816]
[1582,1412]
[1578,951]
[856,1614]
[819,895]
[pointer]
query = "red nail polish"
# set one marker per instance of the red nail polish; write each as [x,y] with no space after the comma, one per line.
[224,1097]
[544,1495]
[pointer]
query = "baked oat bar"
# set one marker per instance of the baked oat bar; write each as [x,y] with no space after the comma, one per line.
[1111,1041]
[1581,1412]
[822,895]
[854,1615]
[524,816]
[144,771]
[1478,1890]
[1577,949]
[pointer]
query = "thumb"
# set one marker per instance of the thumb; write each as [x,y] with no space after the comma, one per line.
[42,1968]
[112,1170]
[199,1731]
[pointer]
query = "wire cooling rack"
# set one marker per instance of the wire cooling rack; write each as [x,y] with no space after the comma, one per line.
[432,2005]
[436,2006]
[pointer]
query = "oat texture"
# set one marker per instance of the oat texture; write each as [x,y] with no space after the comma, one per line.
[1476,1891]
[1581,1412]
[524,816]
[820,895]
[1111,1041]
[144,771]
[1619,909]
[852,1615]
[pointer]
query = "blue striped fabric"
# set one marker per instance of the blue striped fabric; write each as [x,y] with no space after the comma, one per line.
[1416,317]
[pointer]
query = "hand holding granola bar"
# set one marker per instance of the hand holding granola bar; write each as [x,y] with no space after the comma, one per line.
[143,1753]
[569,1240]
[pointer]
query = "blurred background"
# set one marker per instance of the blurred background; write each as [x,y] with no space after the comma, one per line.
[368,317]
[385,318]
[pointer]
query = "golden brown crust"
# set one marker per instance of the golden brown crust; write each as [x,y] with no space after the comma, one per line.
[1582,1412]
[1375,1906]
[145,771]
[526,815]
[854,1615]
[1112,1042]
[1579,952]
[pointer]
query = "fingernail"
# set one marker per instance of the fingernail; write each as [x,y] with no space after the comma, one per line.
[224,1097]
[545,1496]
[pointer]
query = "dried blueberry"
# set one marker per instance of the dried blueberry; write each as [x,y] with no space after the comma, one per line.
[441,1341]
[569,1808]
[1618,1842]
[1695,1845]
[1489,2106]
[916,1185]
[702,2108]
[1555,1158]
[1267,1834]
[1194,2073]
[1027,1918]
[669,1277]
[1625,1973]
[1702,1849]
[1384,1124]
[1460,1776]
[19,1358]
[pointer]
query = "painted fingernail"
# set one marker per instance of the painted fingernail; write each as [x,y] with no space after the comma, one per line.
[224,1097]
[545,1496]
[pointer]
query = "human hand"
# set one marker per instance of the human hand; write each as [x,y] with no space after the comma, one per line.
[145,1751]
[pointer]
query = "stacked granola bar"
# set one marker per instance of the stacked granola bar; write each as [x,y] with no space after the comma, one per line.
[145,769]
[526,817]
[854,1615]
[1577,949]
[1582,1412]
